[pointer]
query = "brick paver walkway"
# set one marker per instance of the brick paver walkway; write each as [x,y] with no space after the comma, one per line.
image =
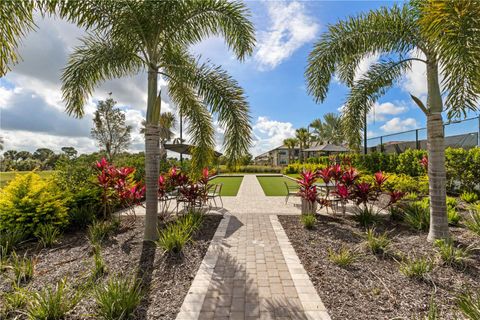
[250,270]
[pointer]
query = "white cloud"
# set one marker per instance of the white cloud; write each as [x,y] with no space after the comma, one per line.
[290,28]
[364,65]
[269,134]
[397,125]
[380,111]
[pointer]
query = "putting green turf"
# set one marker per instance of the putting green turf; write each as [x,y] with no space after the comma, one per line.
[274,186]
[6,177]
[230,185]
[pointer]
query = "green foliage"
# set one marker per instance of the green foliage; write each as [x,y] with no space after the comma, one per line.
[299,167]
[177,234]
[343,257]
[433,312]
[47,235]
[411,196]
[416,268]
[23,268]
[462,168]
[377,243]
[9,239]
[469,197]
[365,216]
[409,162]
[308,220]
[451,254]
[405,183]
[396,213]
[249,169]
[417,215]
[469,304]
[52,303]
[473,222]
[118,298]
[29,202]
[453,216]
[81,217]
[99,267]
[99,231]
[14,300]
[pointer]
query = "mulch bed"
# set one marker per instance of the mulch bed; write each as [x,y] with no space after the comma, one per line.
[166,278]
[373,287]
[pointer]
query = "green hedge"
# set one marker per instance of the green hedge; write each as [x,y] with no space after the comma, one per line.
[250,169]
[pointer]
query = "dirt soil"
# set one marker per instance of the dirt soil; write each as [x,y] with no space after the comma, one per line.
[373,287]
[166,278]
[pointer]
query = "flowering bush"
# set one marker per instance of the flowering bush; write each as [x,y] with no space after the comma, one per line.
[118,186]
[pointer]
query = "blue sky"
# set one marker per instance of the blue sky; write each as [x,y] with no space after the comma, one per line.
[272,78]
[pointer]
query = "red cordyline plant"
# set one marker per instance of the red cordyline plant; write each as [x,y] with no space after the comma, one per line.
[118,187]
[308,190]
[424,162]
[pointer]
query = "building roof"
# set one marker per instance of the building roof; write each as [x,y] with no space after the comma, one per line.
[328,147]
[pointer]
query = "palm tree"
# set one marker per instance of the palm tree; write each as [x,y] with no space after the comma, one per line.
[154,36]
[395,33]
[290,143]
[329,130]
[303,138]
[166,124]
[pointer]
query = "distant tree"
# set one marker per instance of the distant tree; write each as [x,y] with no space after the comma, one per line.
[246,159]
[2,142]
[303,138]
[110,129]
[24,155]
[290,143]
[328,130]
[70,152]
[11,155]
[43,154]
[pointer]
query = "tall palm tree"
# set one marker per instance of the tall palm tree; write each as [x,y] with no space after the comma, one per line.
[329,130]
[446,44]
[290,143]
[154,36]
[166,123]
[303,138]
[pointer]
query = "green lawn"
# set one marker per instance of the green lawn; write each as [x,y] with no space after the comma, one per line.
[6,177]
[230,185]
[274,186]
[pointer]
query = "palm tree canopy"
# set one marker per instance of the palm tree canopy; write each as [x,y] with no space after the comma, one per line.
[329,130]
[290,143]
[393,33]
[303,137]
[154,36]
[166,124]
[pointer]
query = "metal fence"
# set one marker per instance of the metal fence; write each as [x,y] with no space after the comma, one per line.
[458,134]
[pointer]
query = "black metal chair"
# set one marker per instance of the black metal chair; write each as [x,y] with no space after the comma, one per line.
[291,191]
[215,193]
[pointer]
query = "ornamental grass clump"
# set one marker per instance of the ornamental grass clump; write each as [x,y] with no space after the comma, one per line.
[14,301]
[99,231]
[23,268]
[47,235]
[174,237]
[417,215]
[416,268]
[376,242]
[469,304]
[99,267]
[118,298]
[53,303]
[473,222]
[308,220]
[453,255]
[343,257]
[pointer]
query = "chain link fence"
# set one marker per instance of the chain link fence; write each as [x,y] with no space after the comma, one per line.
[458,134]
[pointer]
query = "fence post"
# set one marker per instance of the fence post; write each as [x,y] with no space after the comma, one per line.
[381,144]
[417,144]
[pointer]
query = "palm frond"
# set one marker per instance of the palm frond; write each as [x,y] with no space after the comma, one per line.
[195,20]
[453,27]
[224,96]
[16,19]
[96,60]
[200,130]
[342,47]
[365,92]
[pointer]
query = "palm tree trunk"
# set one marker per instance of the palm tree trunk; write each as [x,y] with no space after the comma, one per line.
[436,157]
[152,157]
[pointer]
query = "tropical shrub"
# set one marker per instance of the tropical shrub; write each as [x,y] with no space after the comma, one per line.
[173,238]
[416,268]
[52,303]
[342,257]
[410,162]
[469,197]
[469,304]
[80,217]
[463,169]
[47,235]
[300,167]
[99,231]
[308,220]
[404,183]
[118,298]
[377,243]
[250,169]
[451,254]
[29,202]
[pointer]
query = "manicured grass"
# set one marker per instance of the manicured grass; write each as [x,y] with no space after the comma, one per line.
[294,175]
[6,177]
[274,186]
[230,185]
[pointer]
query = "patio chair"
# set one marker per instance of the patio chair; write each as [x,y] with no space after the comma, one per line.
[215,193]
[291,191]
